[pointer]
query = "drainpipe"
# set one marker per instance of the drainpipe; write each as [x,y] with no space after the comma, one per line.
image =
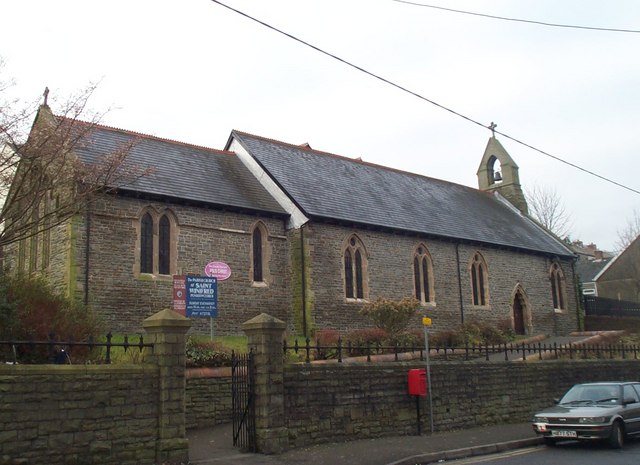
[459,283]
[86,255]
[580,313]
[304,284]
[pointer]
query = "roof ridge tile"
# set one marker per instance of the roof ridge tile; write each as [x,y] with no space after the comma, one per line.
[149,136]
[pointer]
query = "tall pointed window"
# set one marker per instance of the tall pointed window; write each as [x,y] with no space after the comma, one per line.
[164,245]
[257,252]
[557,287]
[157,236]
[355,269]
[146,244]
[479,281]
[423,275]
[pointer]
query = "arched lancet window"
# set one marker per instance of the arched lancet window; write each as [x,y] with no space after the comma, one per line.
[164,245]
[557,286]
[423,275]
[479,281]
[257,251]
[158,233]
[146,244]
[355,265]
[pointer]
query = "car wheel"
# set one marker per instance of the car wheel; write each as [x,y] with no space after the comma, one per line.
[616,440]
[549,441]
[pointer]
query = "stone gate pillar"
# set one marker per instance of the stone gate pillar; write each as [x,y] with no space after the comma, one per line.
[167,331]
[265,335]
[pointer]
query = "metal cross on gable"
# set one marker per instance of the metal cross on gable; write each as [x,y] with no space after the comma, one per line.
[493,127]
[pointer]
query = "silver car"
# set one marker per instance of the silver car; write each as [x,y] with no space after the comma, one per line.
[593,411]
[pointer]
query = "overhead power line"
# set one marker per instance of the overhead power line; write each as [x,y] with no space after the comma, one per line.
[504,18]
[421,97]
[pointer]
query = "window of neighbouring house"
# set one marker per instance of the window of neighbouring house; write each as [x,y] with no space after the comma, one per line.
[557,287]
[479,281]
[157,243]
[423,275]
[355,269]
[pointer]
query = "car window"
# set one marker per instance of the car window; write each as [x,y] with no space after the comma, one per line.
[636,386]
[592,393]
[630,394]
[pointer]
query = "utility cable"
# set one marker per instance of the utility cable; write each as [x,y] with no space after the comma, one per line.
[415,94]
[504,18]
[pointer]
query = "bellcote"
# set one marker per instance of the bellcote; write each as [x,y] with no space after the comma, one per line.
[499,173]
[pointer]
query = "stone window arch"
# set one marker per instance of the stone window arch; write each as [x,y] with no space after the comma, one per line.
[354,258]
[259,254]
[479,274]
[423,275]
[558,286]
[157,243]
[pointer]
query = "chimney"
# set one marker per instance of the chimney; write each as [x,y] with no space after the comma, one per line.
[598,254]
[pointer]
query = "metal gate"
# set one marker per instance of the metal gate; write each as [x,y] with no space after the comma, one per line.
[242,401]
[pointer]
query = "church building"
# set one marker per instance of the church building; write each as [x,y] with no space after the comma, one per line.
[309,238]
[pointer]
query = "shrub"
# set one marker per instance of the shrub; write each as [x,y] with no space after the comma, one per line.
[393,316]
[474,333]
[407,340]
[206,353]
[327,340]
[449,338]
[504,326]
[361,339]
[31,310]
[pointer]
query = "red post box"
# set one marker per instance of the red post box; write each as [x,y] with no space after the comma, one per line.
[417,379]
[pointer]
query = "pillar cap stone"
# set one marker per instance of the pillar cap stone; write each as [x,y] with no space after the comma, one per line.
[167,318]
[263,321]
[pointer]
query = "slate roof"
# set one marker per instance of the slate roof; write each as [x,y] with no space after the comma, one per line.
[183,172]
[588,268]
[338,189]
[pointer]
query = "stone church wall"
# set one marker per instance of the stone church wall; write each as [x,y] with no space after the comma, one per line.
[124,298]
[390,275]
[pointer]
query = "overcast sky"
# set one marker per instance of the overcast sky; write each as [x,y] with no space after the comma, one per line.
[192,70]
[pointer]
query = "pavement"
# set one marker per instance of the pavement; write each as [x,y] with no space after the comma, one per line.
[214,446]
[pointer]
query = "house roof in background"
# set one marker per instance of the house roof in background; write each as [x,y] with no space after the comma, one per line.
[588,268]
[612,264]
[182,171]
[336,188]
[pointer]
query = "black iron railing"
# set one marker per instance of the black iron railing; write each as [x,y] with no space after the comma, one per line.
[600,306]
[498,352]
[56,351]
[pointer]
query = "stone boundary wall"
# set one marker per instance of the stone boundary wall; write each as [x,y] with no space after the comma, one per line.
[100,414]
[371,400]
[208,397]
[66,414]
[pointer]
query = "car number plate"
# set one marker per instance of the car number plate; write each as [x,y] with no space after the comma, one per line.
[564,434]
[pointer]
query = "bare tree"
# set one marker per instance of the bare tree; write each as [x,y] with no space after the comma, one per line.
[42,180]
[629,232]
[546,206]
